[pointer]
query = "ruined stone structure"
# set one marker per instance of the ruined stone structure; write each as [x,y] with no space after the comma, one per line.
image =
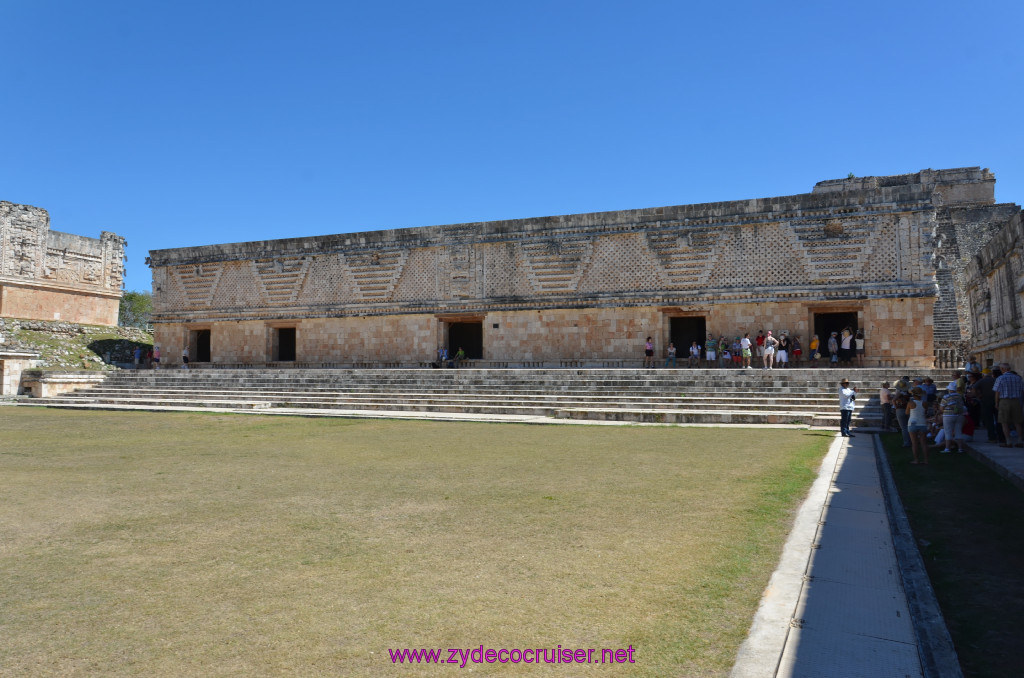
[884,254]
[49,275]
[995,285]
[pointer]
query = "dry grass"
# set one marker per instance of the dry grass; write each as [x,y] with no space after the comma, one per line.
[188,544]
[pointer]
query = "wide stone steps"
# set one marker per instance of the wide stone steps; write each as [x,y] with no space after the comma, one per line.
[710,396]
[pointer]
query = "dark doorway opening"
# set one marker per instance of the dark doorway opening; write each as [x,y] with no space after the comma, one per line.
[684,331]
[284,344]
[827,323]
[468,336]
[200,345]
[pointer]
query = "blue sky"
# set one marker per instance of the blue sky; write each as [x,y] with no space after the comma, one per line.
[188,123]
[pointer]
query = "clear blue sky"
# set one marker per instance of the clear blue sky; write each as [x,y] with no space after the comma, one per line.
[188,123]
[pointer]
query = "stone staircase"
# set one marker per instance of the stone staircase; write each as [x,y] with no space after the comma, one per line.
[804,397]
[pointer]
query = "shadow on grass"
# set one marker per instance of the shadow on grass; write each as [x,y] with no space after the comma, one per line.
[969,527]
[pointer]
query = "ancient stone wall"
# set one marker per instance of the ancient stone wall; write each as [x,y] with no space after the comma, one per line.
[995,288]
[589,286]
[49,275]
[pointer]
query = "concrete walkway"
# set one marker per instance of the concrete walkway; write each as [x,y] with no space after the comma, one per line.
[837,604]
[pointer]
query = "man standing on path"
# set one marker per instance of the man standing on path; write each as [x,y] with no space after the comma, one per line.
[846,397]
[983,388]
[1009,388]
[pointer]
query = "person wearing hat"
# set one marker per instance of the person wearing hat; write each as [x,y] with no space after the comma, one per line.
[952,408]
[900,400]
[833,349]
[846,397]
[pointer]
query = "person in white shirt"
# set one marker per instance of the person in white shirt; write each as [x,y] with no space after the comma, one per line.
[846,397]
[745,349]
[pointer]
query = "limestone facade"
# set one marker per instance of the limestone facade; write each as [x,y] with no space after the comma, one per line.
[996,291]
[49,275]
[588,288]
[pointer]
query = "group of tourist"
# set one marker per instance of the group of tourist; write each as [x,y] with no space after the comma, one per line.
[841,349]
[930,416]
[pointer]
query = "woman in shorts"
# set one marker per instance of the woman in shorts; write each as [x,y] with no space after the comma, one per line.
[649,353]
[782,353]
[917,424]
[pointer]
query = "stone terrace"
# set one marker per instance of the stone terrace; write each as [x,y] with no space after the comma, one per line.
[803,397]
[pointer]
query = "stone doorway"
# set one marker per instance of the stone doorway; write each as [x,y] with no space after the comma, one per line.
[199,345]
[284,344]
[827,323]
[684,331]
[468,335]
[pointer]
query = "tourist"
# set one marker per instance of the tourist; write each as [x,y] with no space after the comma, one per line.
[931,391]
[723,350]
[671,355]
[983,389]
[745,347]
[1009,389]
[972,365]
[833,350]
[952,408]
[184,358]
[759,340]
[442,356]
[736,352]
[460,355]
[694,354]
[814,348]
[846,397]
[885,399]
[770,343]
[845,350]
[858,343]
[156,357]
[649,353]
[900,400]
[782,353]
[917,422]
[137,356]
[797,351]
[710,350]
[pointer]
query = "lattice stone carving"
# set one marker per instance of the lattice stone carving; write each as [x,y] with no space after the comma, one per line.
[199,281]
[374,274]
[835,251]
[281,279]
[556,265]
[687,257]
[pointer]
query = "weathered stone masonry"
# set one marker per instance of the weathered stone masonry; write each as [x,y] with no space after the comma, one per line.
[588,288]
[49,275]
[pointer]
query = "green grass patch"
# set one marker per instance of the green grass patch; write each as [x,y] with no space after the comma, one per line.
[182,544]
[969,524]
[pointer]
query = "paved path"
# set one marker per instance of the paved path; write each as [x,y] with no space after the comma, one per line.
[836,605]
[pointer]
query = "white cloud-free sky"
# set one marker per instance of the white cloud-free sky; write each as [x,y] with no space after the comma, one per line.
[196,122]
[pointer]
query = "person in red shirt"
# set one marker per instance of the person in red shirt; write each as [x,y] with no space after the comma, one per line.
[760,343]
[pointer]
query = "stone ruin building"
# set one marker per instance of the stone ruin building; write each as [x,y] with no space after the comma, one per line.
[49,275]
[889,255]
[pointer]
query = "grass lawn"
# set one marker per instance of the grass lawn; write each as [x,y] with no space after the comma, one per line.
[969,524]
[196,544]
